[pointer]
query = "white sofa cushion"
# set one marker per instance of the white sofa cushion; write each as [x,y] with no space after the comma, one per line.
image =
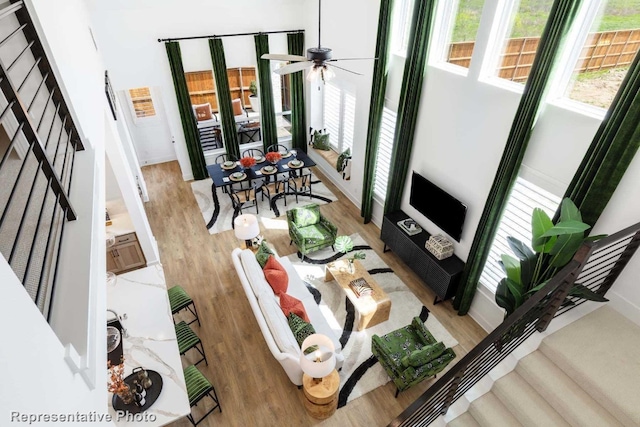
[254,273]
[278,325]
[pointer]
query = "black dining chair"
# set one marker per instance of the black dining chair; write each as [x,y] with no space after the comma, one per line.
[301,182]
[252,152]
[282,149]
[224,157]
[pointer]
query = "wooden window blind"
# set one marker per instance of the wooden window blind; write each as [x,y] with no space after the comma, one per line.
[142,102]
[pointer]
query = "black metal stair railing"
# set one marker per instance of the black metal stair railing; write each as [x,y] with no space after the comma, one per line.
[596,265]
[38,145]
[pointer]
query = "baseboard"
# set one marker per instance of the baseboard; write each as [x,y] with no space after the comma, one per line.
[187,177]
[485,311]
[156,160]
[624,307]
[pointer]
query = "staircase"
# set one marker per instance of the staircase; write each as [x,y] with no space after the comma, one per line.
[586,374]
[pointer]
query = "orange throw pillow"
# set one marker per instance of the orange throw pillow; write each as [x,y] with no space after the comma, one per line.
[276,275]
[290,304]
[203,112]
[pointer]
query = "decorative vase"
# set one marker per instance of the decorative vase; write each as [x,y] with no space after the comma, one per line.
[126,395]
[351,267]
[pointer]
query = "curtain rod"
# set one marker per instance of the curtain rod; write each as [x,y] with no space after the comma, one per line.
[229,35]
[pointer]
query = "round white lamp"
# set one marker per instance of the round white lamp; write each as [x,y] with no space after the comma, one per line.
[246,228]
[320,360]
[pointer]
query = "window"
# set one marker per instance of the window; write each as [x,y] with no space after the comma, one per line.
[520,46]
[516,222]
[142,102]
[463,37]
[281,101]
[401,26]
[609,49]
[339,115]
[383,159]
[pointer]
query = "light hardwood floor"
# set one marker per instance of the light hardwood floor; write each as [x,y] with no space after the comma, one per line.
[252,387]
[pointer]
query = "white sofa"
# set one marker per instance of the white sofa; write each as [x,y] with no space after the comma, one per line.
[272,321]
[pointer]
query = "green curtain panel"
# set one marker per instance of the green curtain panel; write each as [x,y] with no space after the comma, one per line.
[267,110]
[611,151]
[560,20]
[408,106]
[227,118]
[189,124]
[295,42]
[378,88]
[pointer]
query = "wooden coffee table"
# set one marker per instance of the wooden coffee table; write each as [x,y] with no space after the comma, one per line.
[373,309]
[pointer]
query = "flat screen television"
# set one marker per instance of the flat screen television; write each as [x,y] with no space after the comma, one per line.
[439,206]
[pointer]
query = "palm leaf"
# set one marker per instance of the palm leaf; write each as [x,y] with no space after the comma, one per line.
[566,227]
[512,268]
[540,223]
[569,211]
[582,291]
[527,259]
[564,249]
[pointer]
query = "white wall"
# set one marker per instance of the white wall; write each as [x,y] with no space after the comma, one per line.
[135,58]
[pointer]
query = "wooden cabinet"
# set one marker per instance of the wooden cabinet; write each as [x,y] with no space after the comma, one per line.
[442,276]
[125,254]
[202,89]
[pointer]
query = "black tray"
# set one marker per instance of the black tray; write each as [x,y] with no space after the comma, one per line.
[152,393]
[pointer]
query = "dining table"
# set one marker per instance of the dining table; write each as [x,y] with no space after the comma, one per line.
[223,177]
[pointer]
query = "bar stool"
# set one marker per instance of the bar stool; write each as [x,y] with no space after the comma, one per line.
[198,387]
[187,339]
[179,299]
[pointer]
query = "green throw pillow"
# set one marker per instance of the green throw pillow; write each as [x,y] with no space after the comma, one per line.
[262,254]
[301,329]
[424,355]
[341,158]
[321,141]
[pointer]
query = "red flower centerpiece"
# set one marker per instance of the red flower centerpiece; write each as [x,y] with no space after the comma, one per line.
[247,162]
[273,157]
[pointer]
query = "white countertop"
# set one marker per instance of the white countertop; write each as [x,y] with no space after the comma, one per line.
[120,224]
[151,341]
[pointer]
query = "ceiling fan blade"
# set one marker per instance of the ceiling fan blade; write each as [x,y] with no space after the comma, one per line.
[351,59]
[292,68]
[344,69]
[283,57]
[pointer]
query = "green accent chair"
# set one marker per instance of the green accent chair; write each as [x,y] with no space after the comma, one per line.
[199,387]
[309,229]
[179,299]
[410,354]
[187,339]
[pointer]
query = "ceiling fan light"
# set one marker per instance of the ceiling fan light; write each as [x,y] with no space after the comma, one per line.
[327,73]
[313,75]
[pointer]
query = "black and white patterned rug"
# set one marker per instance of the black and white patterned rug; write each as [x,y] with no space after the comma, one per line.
[224,219]
[361,372]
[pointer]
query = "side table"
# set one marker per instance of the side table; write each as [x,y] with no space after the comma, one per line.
[321,398]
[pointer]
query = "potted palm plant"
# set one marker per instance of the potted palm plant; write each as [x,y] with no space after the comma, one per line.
[253,98]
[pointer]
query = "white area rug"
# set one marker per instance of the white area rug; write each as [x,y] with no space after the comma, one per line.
[202,192]
[361,372]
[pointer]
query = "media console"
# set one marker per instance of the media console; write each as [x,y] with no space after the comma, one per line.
[442,276]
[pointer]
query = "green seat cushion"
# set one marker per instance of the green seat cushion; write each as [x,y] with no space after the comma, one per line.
[263,253]
[187,339]
[314,235]
[178,298]
[306,215]
[301,329]
[423,355]
[197,385]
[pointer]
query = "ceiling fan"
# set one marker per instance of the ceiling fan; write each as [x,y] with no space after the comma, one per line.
[318,59]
